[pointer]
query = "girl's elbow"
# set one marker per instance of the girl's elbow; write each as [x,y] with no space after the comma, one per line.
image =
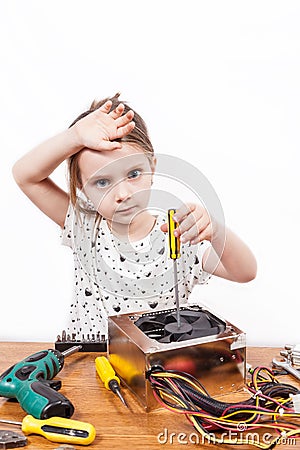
[16,173]
[19,175]
[249,275]
[248,278]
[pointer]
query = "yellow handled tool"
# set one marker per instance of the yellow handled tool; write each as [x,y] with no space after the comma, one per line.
[108,376]
[174,242]
[174,252]
[58,429]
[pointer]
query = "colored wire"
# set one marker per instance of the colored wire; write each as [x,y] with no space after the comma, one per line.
[269,408]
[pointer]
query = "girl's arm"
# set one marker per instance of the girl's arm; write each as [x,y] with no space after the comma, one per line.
[230,258]
[32,172]
[97,131]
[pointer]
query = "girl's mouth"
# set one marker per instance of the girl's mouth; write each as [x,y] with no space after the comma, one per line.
[127,210]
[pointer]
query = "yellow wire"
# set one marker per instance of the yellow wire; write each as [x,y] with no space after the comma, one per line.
[256,380]
[174,375]
[212,438]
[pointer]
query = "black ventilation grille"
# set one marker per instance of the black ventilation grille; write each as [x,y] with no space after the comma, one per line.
[198,322]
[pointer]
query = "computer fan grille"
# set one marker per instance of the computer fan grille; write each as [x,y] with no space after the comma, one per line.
[196,322]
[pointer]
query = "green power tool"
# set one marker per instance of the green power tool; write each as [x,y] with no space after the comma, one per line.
[30,382]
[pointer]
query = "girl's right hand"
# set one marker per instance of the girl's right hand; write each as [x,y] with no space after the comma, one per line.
[99,129]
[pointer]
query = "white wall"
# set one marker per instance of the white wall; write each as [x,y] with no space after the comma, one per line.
[217,83]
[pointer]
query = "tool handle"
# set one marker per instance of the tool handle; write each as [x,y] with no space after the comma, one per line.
[105,371]
[59,429]
[42,402]
[174,242]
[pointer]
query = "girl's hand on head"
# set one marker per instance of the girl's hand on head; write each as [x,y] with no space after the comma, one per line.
[99,129]
[194,224]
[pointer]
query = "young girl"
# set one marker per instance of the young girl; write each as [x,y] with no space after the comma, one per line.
[120,249]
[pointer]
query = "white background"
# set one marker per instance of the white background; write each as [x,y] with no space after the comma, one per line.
[217,83]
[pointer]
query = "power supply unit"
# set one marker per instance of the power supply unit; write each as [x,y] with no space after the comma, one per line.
[210,348]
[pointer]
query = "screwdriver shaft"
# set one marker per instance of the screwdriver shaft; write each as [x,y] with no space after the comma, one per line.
[176,294]
[174,247]
[121,397]
[114,386]
[11,422]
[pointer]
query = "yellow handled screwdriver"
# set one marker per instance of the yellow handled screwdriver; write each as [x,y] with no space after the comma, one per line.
[108,376]
[58,429]
[174,249]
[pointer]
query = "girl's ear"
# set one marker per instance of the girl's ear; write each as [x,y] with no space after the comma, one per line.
[153,164]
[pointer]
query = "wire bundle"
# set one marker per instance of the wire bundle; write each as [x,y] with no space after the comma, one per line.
[269,409]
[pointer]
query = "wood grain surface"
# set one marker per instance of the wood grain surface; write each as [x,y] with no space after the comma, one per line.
[116,426]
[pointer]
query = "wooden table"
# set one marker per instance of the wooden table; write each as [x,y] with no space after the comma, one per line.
[116,426]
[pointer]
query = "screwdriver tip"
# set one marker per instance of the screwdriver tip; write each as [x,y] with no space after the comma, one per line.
[121,398]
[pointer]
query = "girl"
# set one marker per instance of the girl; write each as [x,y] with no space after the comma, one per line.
[120,251]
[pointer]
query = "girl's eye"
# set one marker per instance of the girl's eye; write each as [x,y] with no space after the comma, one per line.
[135,173]
[102,183]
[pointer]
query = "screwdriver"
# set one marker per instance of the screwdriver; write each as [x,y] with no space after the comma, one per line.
[174,249]
[108,376]
[58,429]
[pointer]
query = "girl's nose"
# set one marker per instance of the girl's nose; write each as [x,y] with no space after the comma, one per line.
[122,191]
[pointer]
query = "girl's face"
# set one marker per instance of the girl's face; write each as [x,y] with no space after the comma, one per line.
[118,182]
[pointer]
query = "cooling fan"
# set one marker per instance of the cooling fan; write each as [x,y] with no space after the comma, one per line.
[195,323]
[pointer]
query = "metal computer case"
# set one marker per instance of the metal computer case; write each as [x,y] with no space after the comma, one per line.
[219,361]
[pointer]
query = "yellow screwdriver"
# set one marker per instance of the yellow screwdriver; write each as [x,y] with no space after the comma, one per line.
[58,429]
[108,376]
[174,249]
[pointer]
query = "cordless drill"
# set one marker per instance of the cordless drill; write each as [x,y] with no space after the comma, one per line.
[30,383]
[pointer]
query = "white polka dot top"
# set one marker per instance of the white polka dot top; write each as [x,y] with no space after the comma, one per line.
[115,276]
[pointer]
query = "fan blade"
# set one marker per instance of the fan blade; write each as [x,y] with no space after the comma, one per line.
[149,324]
[165,339]
[170,318]
[184,337]
[195,334]
[203,323]
[191,316]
